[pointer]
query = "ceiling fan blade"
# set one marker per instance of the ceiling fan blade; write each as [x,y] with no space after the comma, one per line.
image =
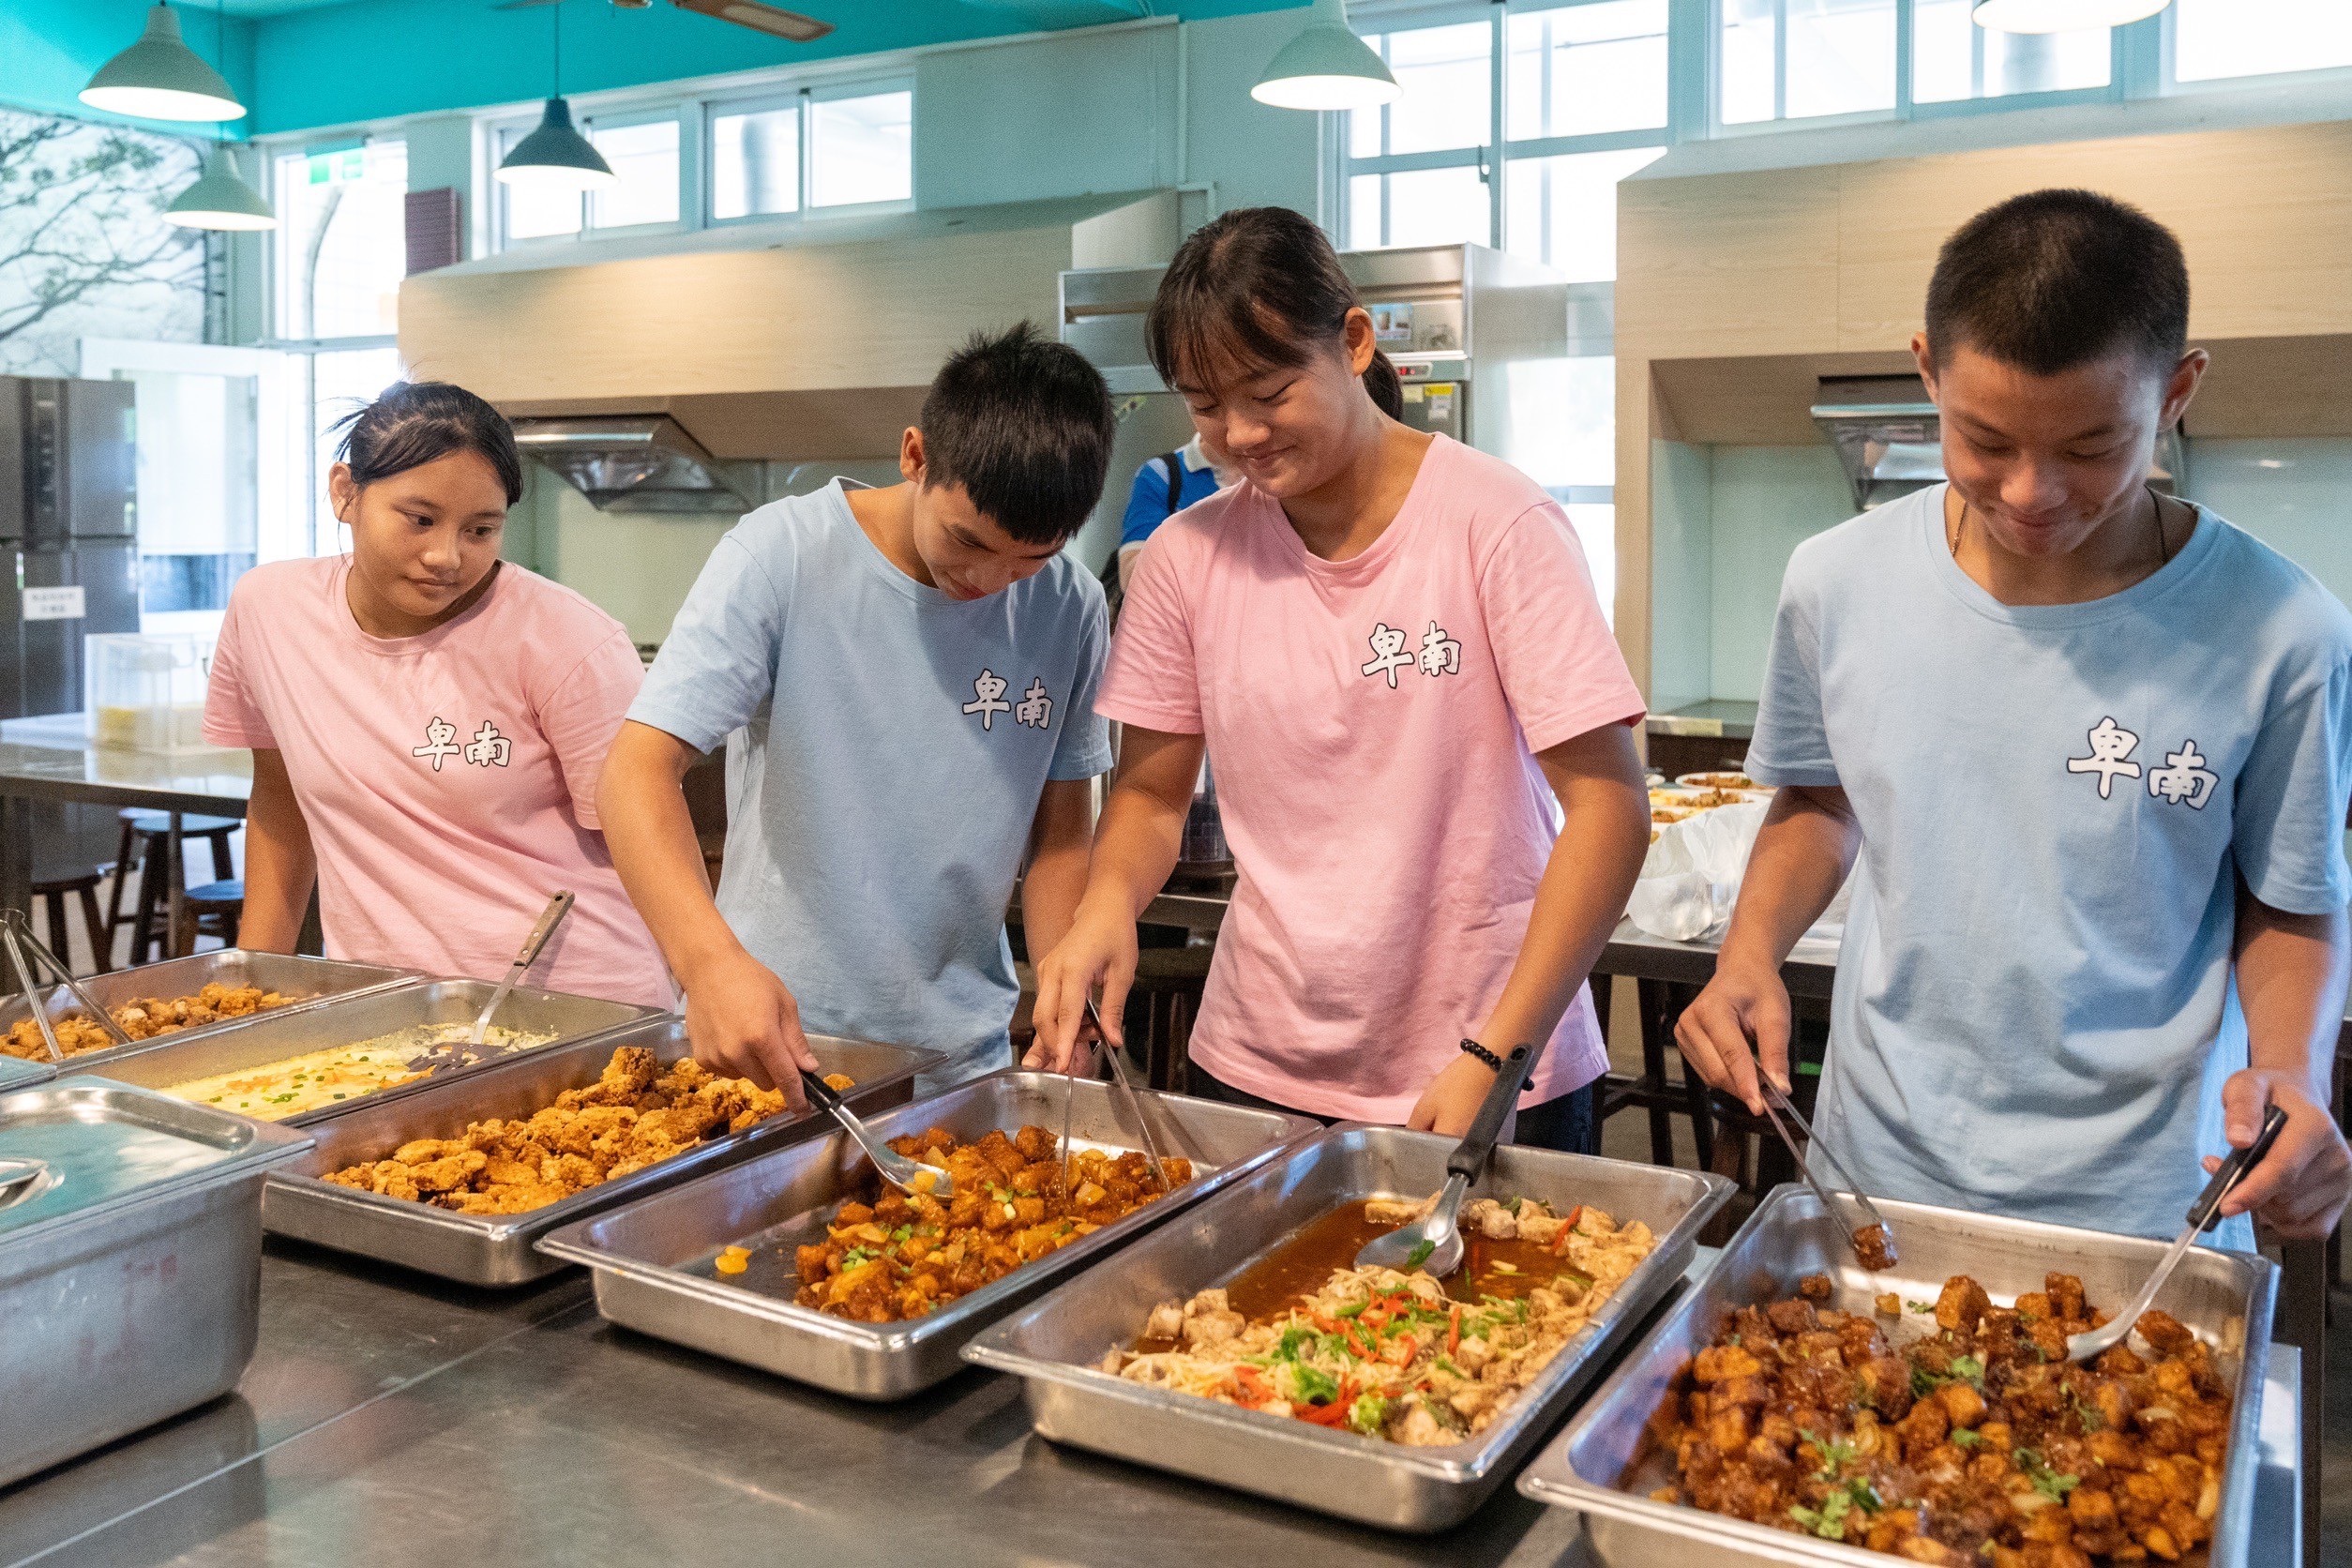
[759,17]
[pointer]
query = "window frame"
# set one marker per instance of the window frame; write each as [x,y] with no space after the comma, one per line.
[836,91]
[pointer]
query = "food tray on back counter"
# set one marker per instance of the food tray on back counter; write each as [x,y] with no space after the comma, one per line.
[130,1268]
[280,1036]
[1606,1462]
[653,1259]
[497,1249]
[311,982]
[1057,1343]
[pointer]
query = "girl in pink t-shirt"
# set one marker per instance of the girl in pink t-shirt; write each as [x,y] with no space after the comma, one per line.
[1390,645]
[428,723]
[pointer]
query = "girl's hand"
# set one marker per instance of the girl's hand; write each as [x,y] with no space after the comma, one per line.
[1451,1102]
[1098,949]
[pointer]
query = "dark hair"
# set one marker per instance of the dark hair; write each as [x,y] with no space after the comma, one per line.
[1024,425]
[1261,286]
[416,422]
[2055,279]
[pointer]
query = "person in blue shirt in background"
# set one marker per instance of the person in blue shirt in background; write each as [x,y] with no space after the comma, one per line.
[2094,745]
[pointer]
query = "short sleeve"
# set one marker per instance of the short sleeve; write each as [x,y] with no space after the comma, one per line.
[1147,504]
[1152,680]
[1083,749]
[233,713]
[2286,826]
[584,713]
[718,666]
[1561,668]
[1791,744]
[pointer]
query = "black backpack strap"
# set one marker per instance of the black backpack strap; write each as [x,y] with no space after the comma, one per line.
[1175,461]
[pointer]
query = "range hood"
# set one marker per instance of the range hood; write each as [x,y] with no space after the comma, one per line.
[636,463]
[1890,440]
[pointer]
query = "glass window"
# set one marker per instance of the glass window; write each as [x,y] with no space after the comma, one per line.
[341,382]
[1436,206]
[645,156]
[2214,38]
[1562,211]
[861,149]
[342,245]
[1364,218]
[1447,74]
[1795,59]
[1596,530]
[1583,69]
[533,211]
[755,162]
[1953,58]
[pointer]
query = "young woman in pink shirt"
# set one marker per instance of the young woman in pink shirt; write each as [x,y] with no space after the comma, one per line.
[428,722]
[1390,646]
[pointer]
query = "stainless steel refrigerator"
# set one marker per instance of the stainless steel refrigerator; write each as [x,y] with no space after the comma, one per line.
[69,533]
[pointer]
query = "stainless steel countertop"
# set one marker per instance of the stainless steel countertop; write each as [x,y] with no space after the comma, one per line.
[386,1416]
[215,783]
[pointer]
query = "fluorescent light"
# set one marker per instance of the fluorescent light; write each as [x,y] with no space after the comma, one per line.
[1326,66]
[221,199]
[2062,15]
[160,78]
[557,156]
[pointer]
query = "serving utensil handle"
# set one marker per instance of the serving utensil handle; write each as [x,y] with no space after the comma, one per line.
[2206,1212]
[1469,1156]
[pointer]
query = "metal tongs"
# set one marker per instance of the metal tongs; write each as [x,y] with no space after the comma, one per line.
[2205,1213]
[912,1176]
[1127,1084]
[24,949]
[1434,1243]
[1776,1105]
[463,1053]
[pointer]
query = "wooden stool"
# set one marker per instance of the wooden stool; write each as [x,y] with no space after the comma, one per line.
[52,892]
[1166,998]
[1653,1089]
[145,838]
[213,909]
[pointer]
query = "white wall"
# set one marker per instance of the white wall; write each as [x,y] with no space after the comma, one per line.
[2295,496]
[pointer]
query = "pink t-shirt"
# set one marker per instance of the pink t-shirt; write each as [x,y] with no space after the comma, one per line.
[1371,723]
[450,781]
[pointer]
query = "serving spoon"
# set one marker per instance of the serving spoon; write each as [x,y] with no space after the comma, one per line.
[1433,1242]
[465,1052]
[908,1176]
[2204,1214]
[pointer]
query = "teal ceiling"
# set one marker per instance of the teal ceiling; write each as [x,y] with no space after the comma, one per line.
[304,64]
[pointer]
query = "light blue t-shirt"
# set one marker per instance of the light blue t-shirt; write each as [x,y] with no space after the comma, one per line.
[2034,1008]
[896,744]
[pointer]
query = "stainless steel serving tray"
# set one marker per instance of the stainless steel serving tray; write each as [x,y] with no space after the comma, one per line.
[16,1073]
[130,1278]
[497,1249]
[653,1259]
[312,983]
[347,1020]
[1605,1464]
[1057,1343]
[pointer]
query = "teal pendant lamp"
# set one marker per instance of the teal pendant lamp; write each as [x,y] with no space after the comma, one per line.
[556,155]
[2062,15]
[161,78]
[1327,66]
[221,199]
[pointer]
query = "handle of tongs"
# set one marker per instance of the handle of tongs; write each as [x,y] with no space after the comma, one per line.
[1135,1099]
[24,948]
[1773,1096]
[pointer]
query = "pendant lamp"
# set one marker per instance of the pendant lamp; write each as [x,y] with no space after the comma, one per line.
[161,78]
[1327,66]
[2062,15]
[555,155]
[221,199]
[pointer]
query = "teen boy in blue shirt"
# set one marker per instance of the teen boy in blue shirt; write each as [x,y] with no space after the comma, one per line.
[915,669]
[2095,741]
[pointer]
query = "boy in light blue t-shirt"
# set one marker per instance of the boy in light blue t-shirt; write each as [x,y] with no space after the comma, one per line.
[914,669]
[2095,743]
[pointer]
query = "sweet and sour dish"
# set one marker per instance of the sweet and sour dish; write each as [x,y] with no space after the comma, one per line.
[1978,1444]
[1402,1356]
[141,1019]
[638,1112]
[892,1255]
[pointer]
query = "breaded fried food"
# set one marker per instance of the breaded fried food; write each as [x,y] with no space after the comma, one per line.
[634,1114]
[141,1019]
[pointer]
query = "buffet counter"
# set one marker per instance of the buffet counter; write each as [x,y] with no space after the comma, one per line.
[388,1416]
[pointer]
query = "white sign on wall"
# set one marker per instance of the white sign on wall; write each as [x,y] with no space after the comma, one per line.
[53,604]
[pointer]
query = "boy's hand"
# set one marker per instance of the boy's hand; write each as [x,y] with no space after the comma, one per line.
[1100,949]
[745,1024]
[2301,1186]
[1739,1006]
[1451,1102]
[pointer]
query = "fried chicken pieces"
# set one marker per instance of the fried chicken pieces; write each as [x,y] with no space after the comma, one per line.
[143,1018]
[1977,1447]
[633,1115]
